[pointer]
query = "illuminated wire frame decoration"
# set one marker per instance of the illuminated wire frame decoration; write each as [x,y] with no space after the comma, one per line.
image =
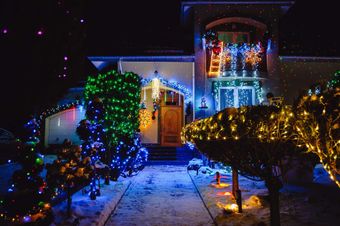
[155,85]
[231,57]
[216,60]
[171,84]
[144,118]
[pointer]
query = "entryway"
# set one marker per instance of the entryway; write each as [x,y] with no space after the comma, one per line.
[167,111]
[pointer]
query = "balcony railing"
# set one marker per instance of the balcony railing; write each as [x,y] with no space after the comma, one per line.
[230,59]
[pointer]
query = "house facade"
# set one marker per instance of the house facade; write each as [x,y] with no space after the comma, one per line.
[235,63]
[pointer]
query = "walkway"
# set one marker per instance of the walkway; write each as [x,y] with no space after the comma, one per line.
[161,195]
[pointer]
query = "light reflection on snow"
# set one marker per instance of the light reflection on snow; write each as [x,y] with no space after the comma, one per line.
[221,185]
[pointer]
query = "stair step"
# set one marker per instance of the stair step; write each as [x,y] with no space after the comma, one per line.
[169,155]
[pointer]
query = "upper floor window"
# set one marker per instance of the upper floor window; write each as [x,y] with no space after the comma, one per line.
[233,37]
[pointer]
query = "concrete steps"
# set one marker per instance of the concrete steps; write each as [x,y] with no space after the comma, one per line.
[169,155]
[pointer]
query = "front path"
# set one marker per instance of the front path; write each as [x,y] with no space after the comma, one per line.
[161,195]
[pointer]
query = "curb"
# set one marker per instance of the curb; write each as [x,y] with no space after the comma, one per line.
[205,205]
[115,207]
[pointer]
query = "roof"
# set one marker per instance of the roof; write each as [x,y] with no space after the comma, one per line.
[101,62]
[188,58]
[238,2]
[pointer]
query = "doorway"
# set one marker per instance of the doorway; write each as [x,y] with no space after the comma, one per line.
[171,125]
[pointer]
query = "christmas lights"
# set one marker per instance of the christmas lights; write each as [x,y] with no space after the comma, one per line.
[319,122]
[234,57]
[144,118]
[120,95]
[236,85]
[253,140]
[171,84]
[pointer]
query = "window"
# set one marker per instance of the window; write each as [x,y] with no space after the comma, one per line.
[236,96]
[233,37]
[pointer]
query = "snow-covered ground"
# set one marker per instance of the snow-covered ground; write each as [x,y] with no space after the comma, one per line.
[92,212]
[317,204]
[161,195]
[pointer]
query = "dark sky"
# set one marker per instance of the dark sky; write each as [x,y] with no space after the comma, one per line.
[31,64]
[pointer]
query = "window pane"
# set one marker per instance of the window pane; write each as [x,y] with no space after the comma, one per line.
[227,98]
[242,38]
[244,97]
[225,37]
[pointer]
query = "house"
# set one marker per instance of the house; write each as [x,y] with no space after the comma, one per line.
[235,62]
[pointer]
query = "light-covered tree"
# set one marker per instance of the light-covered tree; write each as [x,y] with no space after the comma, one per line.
[254,140]
[318,125]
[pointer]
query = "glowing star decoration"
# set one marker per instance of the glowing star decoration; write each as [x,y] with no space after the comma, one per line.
[155,85]
[253,56]
[144,118]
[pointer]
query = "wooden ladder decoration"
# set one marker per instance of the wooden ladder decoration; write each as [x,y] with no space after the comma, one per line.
[216,62]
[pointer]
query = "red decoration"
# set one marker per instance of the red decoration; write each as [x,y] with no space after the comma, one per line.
[216,50]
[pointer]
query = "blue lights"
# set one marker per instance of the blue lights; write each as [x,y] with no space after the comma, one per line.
[171,84]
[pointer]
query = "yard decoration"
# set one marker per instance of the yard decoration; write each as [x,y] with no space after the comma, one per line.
[120,97]
[69,173]
[254,140]
[27,200]
[318,124]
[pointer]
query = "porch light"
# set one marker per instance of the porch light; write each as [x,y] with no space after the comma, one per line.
[155,85]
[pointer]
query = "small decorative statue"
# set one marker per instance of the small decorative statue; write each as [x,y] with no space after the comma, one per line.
[203,103]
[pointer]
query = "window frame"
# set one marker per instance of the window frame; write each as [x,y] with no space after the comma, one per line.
[235,34]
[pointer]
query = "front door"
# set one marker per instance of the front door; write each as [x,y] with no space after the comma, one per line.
[171,125]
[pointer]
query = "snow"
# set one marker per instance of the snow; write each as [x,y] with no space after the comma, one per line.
[166,195]
[309,205]
[161,195]
[7,170]
[92,212]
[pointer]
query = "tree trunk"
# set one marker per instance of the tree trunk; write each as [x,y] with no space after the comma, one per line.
[274,196]
[69,200]
[235,186]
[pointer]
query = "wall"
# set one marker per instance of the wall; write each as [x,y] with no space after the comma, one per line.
[181,72]
[62,125]
[299,73]
[149,135]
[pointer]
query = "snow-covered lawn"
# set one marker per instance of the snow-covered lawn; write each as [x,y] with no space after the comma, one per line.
[7,170]
[313,205]
[161,195]
[92,212]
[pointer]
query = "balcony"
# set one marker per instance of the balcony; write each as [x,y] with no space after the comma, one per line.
[235,60]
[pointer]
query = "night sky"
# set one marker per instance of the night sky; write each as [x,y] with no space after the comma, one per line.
[36,36]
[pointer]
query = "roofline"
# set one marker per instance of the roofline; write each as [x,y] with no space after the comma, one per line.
[237,3]
[186,5]
[309,59]
[188,58]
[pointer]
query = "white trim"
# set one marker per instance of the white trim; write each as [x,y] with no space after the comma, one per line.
[166,88]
